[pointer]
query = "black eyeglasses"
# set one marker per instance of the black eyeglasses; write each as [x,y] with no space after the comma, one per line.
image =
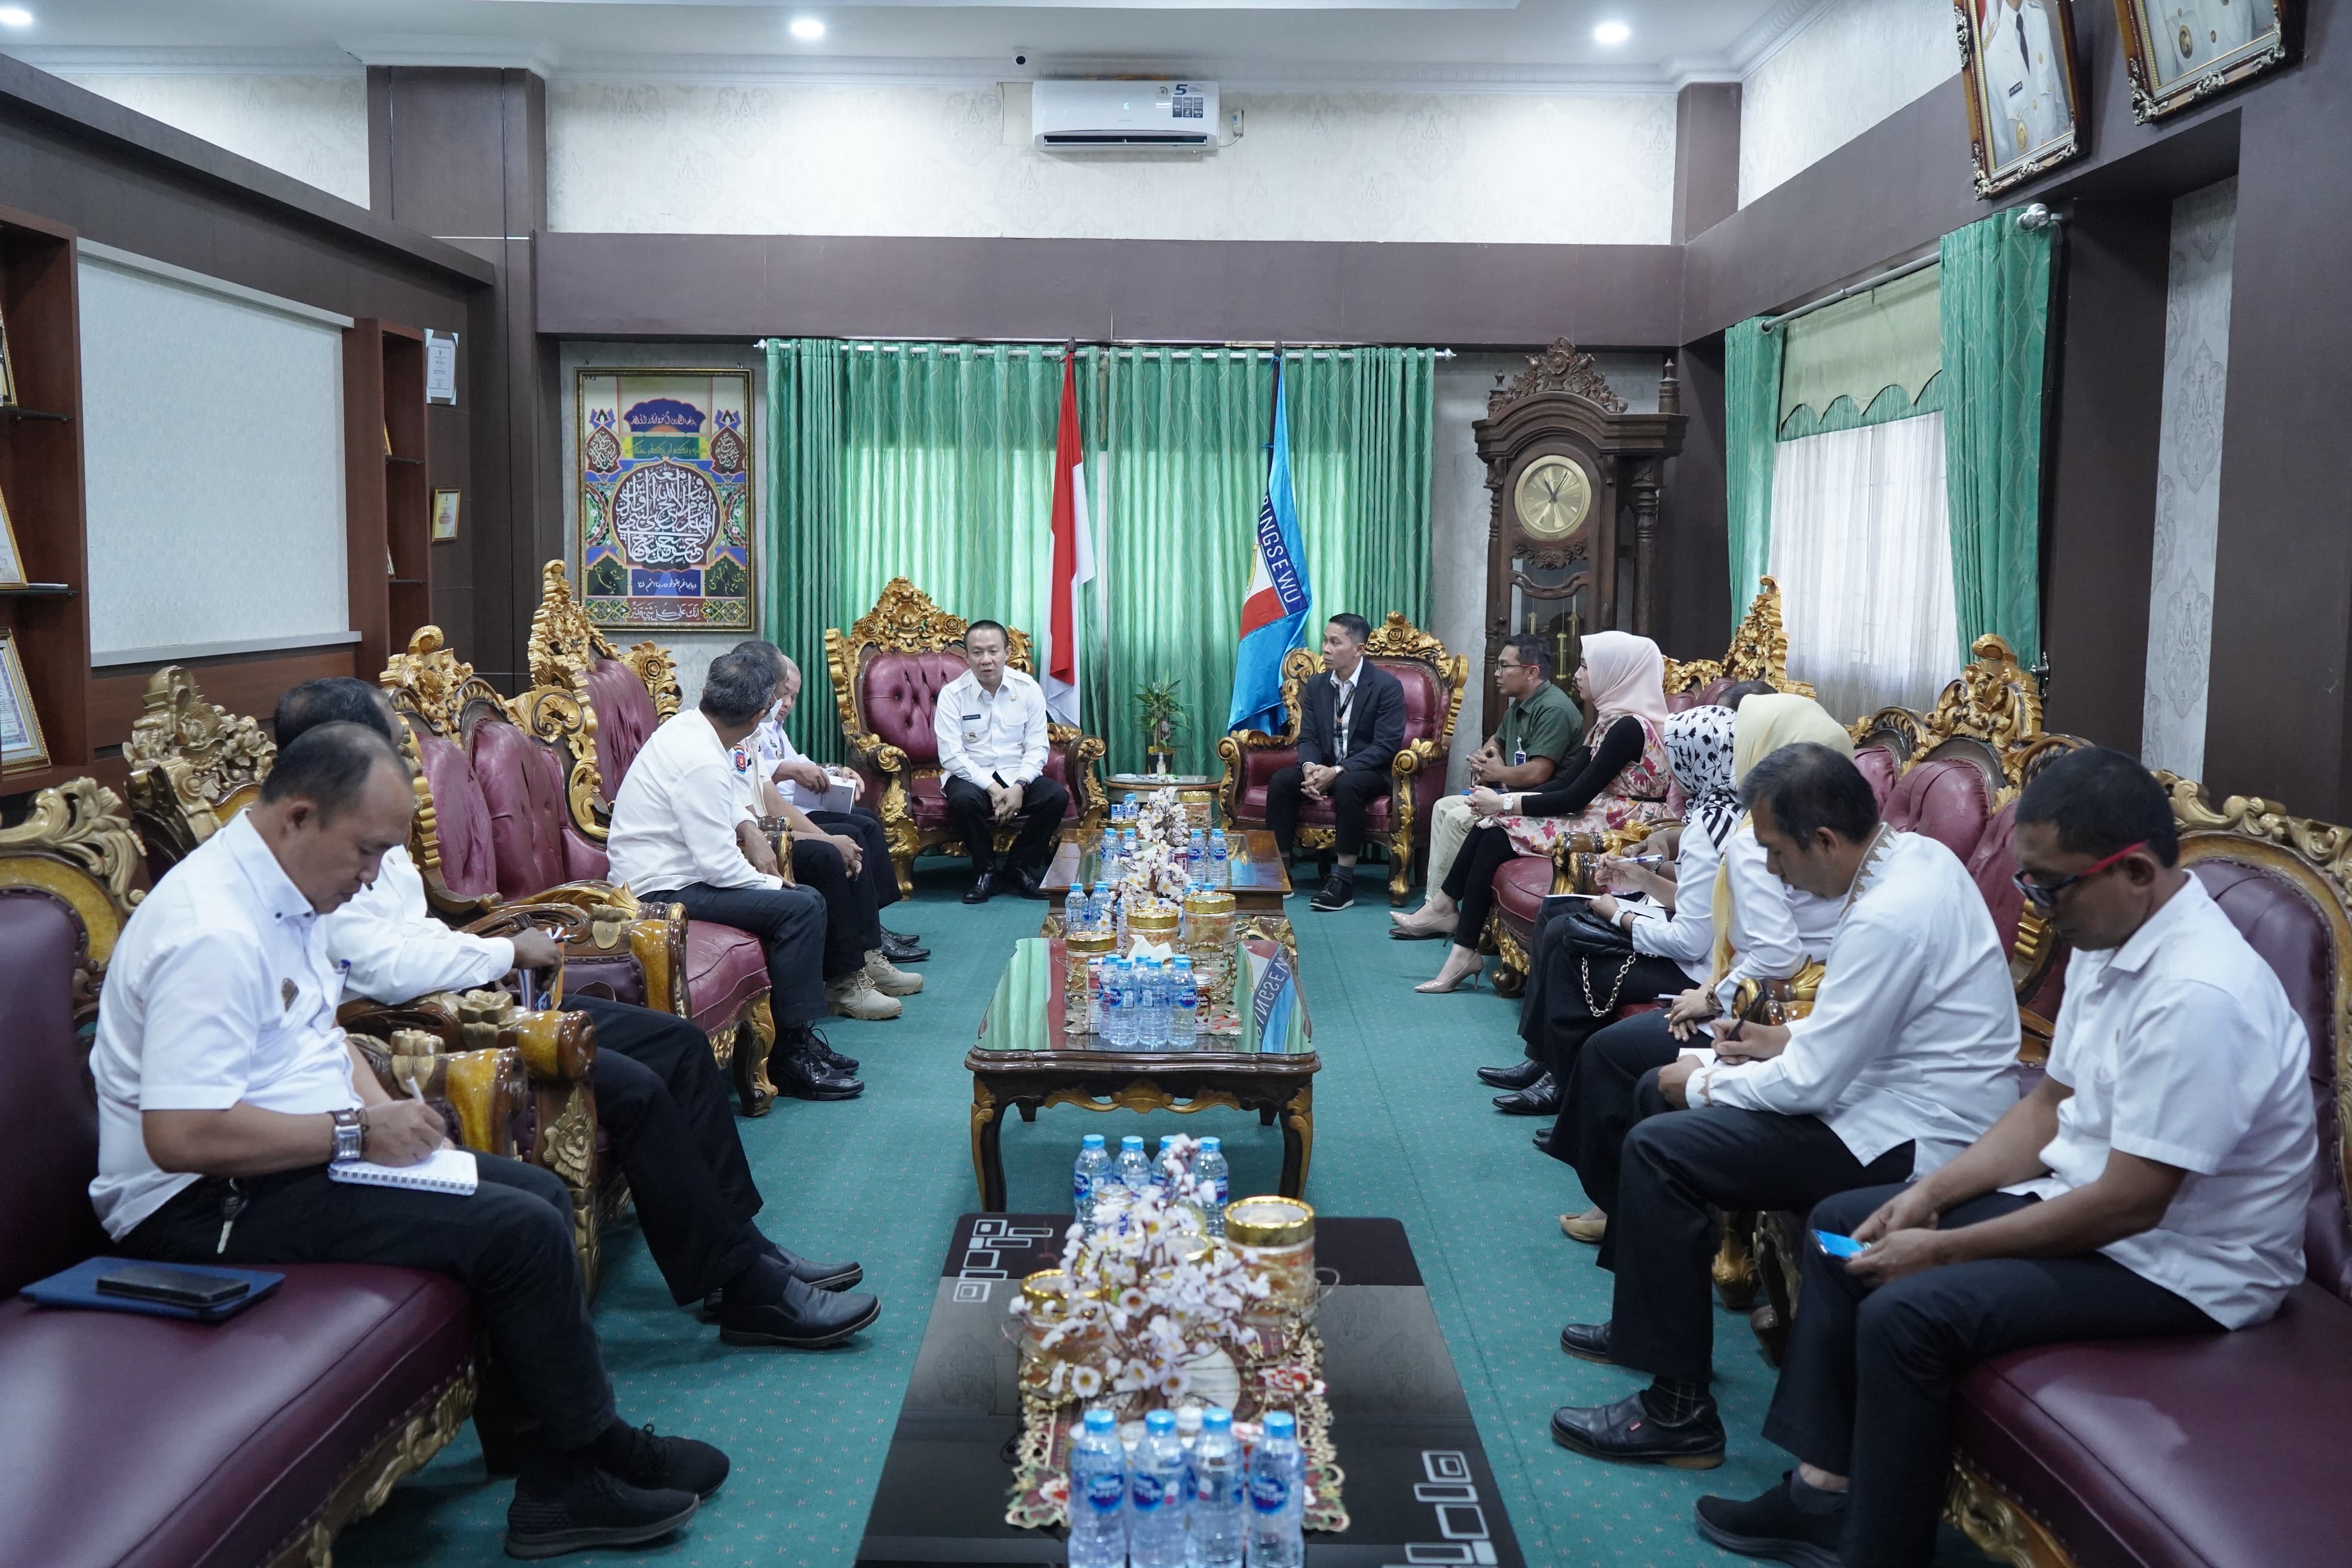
[2044,895]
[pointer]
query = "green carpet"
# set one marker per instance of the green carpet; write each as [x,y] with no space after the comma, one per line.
[1402,1129]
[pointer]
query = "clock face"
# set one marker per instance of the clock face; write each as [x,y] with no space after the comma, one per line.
[1552,497]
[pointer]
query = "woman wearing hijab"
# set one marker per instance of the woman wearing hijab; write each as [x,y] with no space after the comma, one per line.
[1625,779]
[1618,952]
[1762,928]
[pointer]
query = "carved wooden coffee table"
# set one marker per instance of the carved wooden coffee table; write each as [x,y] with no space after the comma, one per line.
[1025,1061]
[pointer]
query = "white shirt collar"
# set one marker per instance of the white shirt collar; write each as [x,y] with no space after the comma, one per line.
[2154,931]
[277,891]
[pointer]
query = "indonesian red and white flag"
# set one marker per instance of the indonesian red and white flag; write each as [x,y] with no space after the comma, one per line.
[1074,557]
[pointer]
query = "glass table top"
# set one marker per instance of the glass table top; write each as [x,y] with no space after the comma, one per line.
[1253,867]
[1029,1015]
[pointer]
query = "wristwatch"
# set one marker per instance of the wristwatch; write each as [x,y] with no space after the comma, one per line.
[350,1135]
[1625,919]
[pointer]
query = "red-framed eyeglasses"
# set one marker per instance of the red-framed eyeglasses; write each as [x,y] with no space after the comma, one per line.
[2044,895]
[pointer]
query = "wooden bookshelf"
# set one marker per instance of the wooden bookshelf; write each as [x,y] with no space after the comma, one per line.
[387,504]
[40,474]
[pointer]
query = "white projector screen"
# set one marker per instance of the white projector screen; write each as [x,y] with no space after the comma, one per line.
[213,462]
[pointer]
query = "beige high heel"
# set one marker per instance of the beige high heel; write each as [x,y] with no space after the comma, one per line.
[1431,987]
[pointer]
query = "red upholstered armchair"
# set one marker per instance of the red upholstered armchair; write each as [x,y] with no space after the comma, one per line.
[887,672]
[1433,680]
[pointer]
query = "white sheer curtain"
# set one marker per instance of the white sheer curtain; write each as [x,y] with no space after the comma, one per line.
[1863,551]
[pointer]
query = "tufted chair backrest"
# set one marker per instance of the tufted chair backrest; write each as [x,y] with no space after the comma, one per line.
[525,801]
[899,694]
[1425,697]
[461,816]
[1950,799]
[48,1119]
[625,717]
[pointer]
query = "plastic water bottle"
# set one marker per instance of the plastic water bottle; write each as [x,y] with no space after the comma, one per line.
[1221,868]
[1208,1169]
[1119,1003]
[1111,852]
[1214,1531]
[1093,1160]
[1156,1489]
[1151,1016]
[1183,1006]
[1134,1171]
[1277,1496]
[1097,1495]
[1126,845]
[1187,1427]
[1196,858]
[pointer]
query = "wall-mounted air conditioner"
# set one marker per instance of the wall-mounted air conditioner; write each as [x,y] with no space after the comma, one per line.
[1114,116]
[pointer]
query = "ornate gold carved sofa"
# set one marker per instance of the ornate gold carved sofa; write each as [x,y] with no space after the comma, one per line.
[1759,651]
[1433,680]
[887,673]
[144,1441]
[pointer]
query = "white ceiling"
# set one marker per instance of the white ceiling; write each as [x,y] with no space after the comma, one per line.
[1473,44]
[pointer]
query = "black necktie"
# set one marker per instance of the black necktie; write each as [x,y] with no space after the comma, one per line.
[1347,710]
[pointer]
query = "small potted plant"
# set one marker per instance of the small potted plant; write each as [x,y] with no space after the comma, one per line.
[1163,715]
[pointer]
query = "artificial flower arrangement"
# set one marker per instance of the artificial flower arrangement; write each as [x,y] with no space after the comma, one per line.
[1153,1313]
[1156,869]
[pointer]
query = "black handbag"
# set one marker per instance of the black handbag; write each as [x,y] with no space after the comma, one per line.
[1588,938]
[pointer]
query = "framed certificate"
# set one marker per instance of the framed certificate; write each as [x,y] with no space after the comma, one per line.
[445,516]
[21,746]
[12,564]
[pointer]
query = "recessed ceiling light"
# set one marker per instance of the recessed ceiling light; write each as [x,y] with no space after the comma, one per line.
[1611,33]
[807,29]
[15,16]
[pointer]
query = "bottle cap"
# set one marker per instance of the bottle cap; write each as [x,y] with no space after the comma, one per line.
[1184,961]
[1213,1145]
[1189,1419]
[1091,1141]
[1130,1142]
[1281,1424]
[1098,1421]
[1216,1418]
[1158,1422]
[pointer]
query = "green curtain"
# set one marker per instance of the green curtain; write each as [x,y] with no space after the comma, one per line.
[1752,411]
[1995,322]
[937,467]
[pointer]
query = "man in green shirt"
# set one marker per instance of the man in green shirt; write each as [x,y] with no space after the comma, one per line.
[1541,729]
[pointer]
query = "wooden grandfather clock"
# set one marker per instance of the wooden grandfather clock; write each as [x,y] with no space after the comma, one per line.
[1571,545]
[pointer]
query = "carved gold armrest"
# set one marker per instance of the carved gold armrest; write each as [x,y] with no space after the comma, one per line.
[483,1090]
[595,919]
[1415,756]
[871,751]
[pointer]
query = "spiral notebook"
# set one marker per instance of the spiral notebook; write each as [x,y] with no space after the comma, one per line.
[444,1171]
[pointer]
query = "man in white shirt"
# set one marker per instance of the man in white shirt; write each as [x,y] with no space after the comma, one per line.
[659,1094]
[2025,80]
[225,1091]
[680,832]
[991,725]
[2154,1182]
[1906,1058]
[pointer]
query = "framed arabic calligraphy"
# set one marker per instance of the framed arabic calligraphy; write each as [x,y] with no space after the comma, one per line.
[666,513]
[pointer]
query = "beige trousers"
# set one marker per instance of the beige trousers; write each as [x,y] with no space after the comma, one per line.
[1449,825]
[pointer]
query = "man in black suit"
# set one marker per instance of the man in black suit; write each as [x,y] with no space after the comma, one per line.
[1352,730]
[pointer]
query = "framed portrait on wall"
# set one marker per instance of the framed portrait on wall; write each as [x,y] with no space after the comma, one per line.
[665,484]
[2017,61]
[21,746]
[2179,51]
[445,516]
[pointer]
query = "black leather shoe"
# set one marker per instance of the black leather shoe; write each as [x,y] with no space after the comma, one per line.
[807,1319]
[903,949]
[1628,1433]
[846,1066]
[1521,1074]
[1542,1140]
[808,1075]
[1588,1342]
[1338,891]
[819,1276]
[1773,1526]
[984,888]
[1030,884]
[579,1506]
[1540,1098]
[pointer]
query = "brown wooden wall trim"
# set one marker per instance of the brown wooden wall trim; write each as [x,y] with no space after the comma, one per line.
[244,683]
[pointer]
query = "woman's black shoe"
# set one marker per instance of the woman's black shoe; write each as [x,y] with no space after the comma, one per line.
[1540,1098]
[1521,1074]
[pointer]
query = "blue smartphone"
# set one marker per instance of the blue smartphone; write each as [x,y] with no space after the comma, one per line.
[1839,1245]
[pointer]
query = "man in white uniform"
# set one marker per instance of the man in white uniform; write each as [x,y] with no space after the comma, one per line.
[226,1091]
[2025,80]
[2153,1184]
[2190,35]
[991,725]
[1903,1061]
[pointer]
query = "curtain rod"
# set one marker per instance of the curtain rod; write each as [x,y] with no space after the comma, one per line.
[1850,290]
[1130,346]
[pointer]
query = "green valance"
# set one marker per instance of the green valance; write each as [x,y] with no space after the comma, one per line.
[1858,348]
[1892,403]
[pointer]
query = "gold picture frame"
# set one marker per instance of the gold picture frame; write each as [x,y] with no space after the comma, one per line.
[2024,88]
[2180,52]
[22,748]
[445,516]
[12,560]
[7,368]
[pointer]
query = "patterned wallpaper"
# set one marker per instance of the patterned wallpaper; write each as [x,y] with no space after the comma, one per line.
[311,127]
[1858,62]
[2189,480]
[778,158]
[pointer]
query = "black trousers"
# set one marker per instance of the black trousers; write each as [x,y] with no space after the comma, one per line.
[1354,790]
[790,925]
[1042,804]
[659,1095]
[853,927]
[510,1241]
[1677,1167]
[1598,1093]
[1568,981]
[862,825]
[1865,1389]
[1471,881]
